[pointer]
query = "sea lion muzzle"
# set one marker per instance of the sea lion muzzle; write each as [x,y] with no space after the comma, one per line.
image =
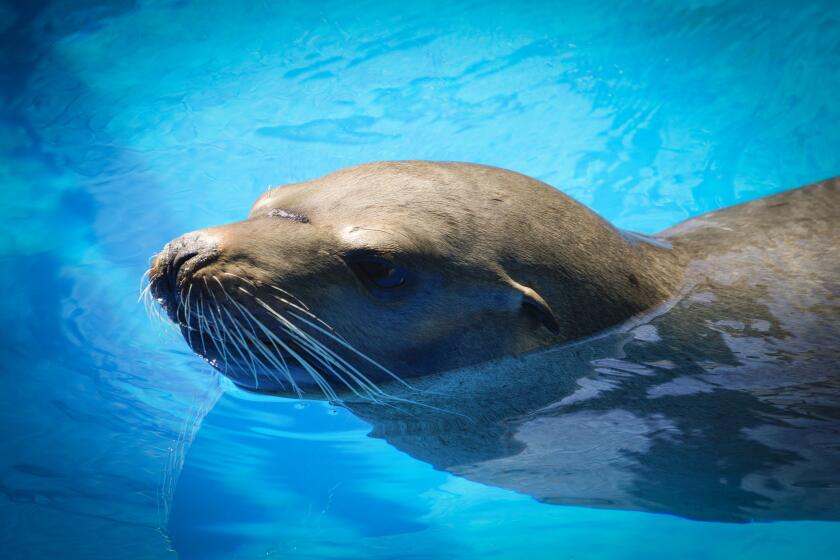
[173,267]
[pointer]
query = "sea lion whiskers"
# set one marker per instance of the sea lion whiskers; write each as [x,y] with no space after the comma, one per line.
[145,286]
[326,357]
[273,360]
[180,307]
[354,372]
[373,393]
[300,306]
[316,377]
[188,315]
[220,324]
[273,357]
[214,321]
[201,321]
[319,380]
[330,361]
[277,360]
[242,346]
[146,289]
[146,295]
[305,311]
[281,364]
[272,286]
[384,394]
[152,307]
[289,294]
[217,336]
[318,351]
[370,388]
[221,350]
[220,345]
[348,346]
[227,337]
[248,331]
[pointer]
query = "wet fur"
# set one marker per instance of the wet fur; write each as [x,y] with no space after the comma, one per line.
[502,263]
[723,403]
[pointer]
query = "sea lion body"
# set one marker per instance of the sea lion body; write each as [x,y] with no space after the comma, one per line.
[405,269]
[692,372]
[721,404]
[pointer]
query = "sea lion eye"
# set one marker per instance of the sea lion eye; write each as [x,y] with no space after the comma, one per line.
[379,272]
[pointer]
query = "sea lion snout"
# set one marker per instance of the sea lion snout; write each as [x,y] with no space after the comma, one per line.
[178,261]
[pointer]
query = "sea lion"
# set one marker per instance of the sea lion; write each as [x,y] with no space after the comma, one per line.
[720,404]
[396,270]
[524,342]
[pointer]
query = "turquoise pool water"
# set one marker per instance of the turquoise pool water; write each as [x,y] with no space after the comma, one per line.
[125,124]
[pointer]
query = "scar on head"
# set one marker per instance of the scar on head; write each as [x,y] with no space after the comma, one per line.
[288,215]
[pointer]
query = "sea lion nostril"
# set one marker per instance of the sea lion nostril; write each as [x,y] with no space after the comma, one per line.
[177,263]
[180,258]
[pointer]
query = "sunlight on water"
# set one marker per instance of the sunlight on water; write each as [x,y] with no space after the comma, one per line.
[126,124]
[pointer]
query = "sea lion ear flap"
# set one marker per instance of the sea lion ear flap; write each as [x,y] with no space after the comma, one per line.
[533,303]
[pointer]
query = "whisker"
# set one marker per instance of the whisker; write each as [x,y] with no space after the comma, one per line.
[317,377]
[244,350]
[346,345]
[188,316]
[280,364]
[353,372]
[300,306]
[224,324]
[293,306]
[333,359]
[259,345]
[201,333]
[220,350]
[153,310]
[218,325]
[324,357]
[252,336]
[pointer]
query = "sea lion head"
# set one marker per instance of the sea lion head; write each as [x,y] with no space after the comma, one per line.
[395,270]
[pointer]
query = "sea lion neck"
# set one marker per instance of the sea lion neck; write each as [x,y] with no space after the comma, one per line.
[595,275]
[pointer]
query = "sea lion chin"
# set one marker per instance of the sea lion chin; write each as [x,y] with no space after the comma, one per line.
[396,270]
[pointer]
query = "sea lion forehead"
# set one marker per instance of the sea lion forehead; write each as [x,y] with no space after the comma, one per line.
[386,184]
[269,200]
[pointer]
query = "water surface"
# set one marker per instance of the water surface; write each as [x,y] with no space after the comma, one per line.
[125,124]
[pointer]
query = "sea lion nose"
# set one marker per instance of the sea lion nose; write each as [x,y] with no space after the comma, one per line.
[179,259]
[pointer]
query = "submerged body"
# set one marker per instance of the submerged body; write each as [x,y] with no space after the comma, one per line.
[721,404]
[692,372]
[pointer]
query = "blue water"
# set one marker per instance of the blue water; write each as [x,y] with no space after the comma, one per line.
[124,124]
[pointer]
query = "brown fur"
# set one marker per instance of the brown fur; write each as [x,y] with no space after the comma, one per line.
[502,263]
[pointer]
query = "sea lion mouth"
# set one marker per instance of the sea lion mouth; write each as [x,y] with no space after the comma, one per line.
[245,364]
[262,348]
[261,337]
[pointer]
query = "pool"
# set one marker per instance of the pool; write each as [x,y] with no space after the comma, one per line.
[125,124]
